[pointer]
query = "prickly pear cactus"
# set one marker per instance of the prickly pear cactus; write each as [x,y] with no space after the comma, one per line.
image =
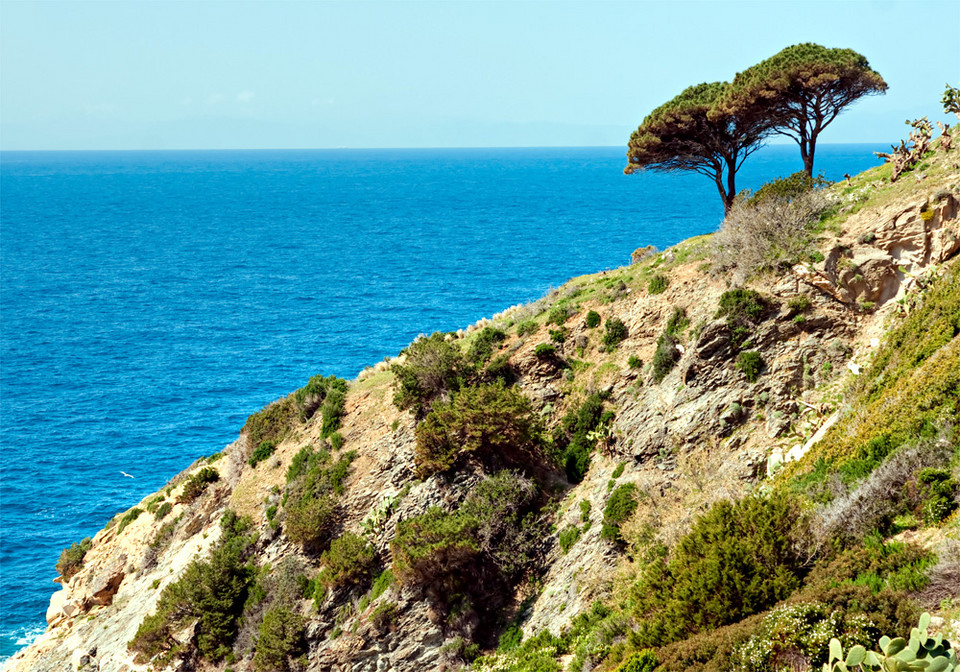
[921,653]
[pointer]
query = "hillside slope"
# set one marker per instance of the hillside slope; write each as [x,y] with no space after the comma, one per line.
[544,483]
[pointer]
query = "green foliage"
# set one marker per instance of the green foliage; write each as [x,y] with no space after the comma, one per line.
[71,559]
[658,284]
[500,370]
[526,328]
[273,422]
[620,506]
[692,132]
[163,510]
[559,335]
[798,304]
[634,362]
[575,438]
[433,369]
[384,615]
[940,500]
[487,340]
[313,488]
[128,518]
[349,561]
[197,484]
[545,350]
[263,451]
[592,320]
[788,188]
[749,363]
[585,511]
[665,357]
[737,560]
[951,100]
[436,551]
[490,423]
[921,652]
[559,314]
[639,661]
[467,560]
[384,580]
[801,89]
[568,537]
[743,308]
[281,638]
[667,354]
[536,654]
[336,441]
[210,594]
[327,394]
[618,472]
[615,331]
[800,632]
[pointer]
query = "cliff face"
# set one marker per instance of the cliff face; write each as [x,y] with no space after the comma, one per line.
[709,430]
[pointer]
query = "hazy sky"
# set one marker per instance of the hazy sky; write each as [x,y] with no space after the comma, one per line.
[189,74]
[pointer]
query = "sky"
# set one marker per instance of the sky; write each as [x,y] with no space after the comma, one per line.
[228,74]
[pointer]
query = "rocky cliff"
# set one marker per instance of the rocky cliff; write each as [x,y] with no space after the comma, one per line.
[694,422]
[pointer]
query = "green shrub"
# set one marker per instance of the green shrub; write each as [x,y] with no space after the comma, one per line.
[197,484]
[749,364]
[658,284]
[639,661]
[677,323]
[336,441]
[263,451]
[434,368]
[468,560]
[508,532]
[558,315]
[743,308]
[741,304]
[585,511]
[272,423]
[384,580]
[592,319]
[313,488]
[615,332]
[210,594]
[799,632]
[634,362]
[385,615]
[665,357]
[939,499]
[574,440]
[568,537]
[490,423]
[128,518]
[526,328]
[737,560]
[799,304]
[545,351]
[164,509]
[71,559]
[281,639]
[437,552]
[327,394]
[788,188]
[348,562]
[618,472]
[620,506]
[500,370]
[487,340]
[559,335]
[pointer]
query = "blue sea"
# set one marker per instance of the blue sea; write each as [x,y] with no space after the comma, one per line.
[150,301]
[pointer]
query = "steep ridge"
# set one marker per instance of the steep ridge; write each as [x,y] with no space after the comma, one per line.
[381,539]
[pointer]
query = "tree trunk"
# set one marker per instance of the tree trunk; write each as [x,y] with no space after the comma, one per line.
[808,156]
